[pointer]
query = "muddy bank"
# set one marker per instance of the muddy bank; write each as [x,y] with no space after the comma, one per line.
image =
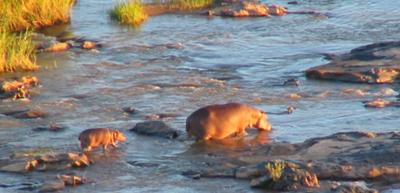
[326,164]
[374,63]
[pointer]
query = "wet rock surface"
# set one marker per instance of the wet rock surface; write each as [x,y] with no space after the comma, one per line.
[342,157]
[374,63]
[155,128]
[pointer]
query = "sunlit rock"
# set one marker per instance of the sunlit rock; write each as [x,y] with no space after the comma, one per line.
[375,63]
[58,47]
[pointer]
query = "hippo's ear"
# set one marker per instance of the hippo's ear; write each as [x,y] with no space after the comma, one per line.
[263,112]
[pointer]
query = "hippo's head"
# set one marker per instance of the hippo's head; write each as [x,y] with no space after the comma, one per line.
[119,136]
[261,121]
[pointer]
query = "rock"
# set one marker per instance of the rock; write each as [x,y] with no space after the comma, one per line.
[250,172]
[52,127]
[48,161]
[277,10]
[130,110]
[160,116]
[71,180]
[294,96]
[58,47]
[377,103]
[381,103]
[192,174]
[292,82]
[290,109]
[19,89]
[293,3]
[19,167]
[52,186]
[31,114]
[375,63]
[353,187]
[247,9]
[155,128]
[291,179]
[88,45]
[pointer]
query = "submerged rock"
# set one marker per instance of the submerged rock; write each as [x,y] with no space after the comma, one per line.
[381,103]
[52,127]
[52,186]
[155,128]
[30,114]
[375,63]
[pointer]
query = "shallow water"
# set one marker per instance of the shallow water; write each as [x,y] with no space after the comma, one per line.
[178,63]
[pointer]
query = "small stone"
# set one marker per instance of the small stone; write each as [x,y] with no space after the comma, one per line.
[292,82]
[277,10]
[293,3]
[377,103]
[88,45]
[58,47]
[71,180]
[290,109]
[129,110]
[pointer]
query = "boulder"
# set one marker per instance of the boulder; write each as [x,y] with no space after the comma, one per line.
[155,128]
[290,179]
[375,64]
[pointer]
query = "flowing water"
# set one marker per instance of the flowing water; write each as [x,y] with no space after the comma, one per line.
[177,63]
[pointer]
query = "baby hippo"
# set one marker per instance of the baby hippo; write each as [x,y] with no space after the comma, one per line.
[221,121]
[91,138]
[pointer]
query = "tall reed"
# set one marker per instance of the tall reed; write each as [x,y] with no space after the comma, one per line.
[17,52]
[19,15]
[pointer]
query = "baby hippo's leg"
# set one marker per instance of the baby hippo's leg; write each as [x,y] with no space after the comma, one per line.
[114,144]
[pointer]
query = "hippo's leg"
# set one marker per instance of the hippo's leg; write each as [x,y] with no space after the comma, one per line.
[86,149]
[241,132]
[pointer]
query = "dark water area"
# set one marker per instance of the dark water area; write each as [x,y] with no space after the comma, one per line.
[177,63]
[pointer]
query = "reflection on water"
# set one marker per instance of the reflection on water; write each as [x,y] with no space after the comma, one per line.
[179,63]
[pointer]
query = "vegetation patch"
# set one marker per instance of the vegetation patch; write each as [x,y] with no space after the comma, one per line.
[129,12]
[19,15]
[275,169]
[17,52]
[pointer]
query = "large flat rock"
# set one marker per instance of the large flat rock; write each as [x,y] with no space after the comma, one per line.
[376,63]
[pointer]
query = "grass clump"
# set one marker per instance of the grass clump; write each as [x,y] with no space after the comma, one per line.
[17,52]
[19,15]
[129,12]
[275,169]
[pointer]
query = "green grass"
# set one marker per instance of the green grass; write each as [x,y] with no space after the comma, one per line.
[17,52]
[275,169]
[19,15]
[129,12]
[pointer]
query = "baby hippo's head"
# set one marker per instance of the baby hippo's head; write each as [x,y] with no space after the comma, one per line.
[118,136]
[261,121]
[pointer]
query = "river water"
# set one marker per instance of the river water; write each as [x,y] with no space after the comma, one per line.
[177,63]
